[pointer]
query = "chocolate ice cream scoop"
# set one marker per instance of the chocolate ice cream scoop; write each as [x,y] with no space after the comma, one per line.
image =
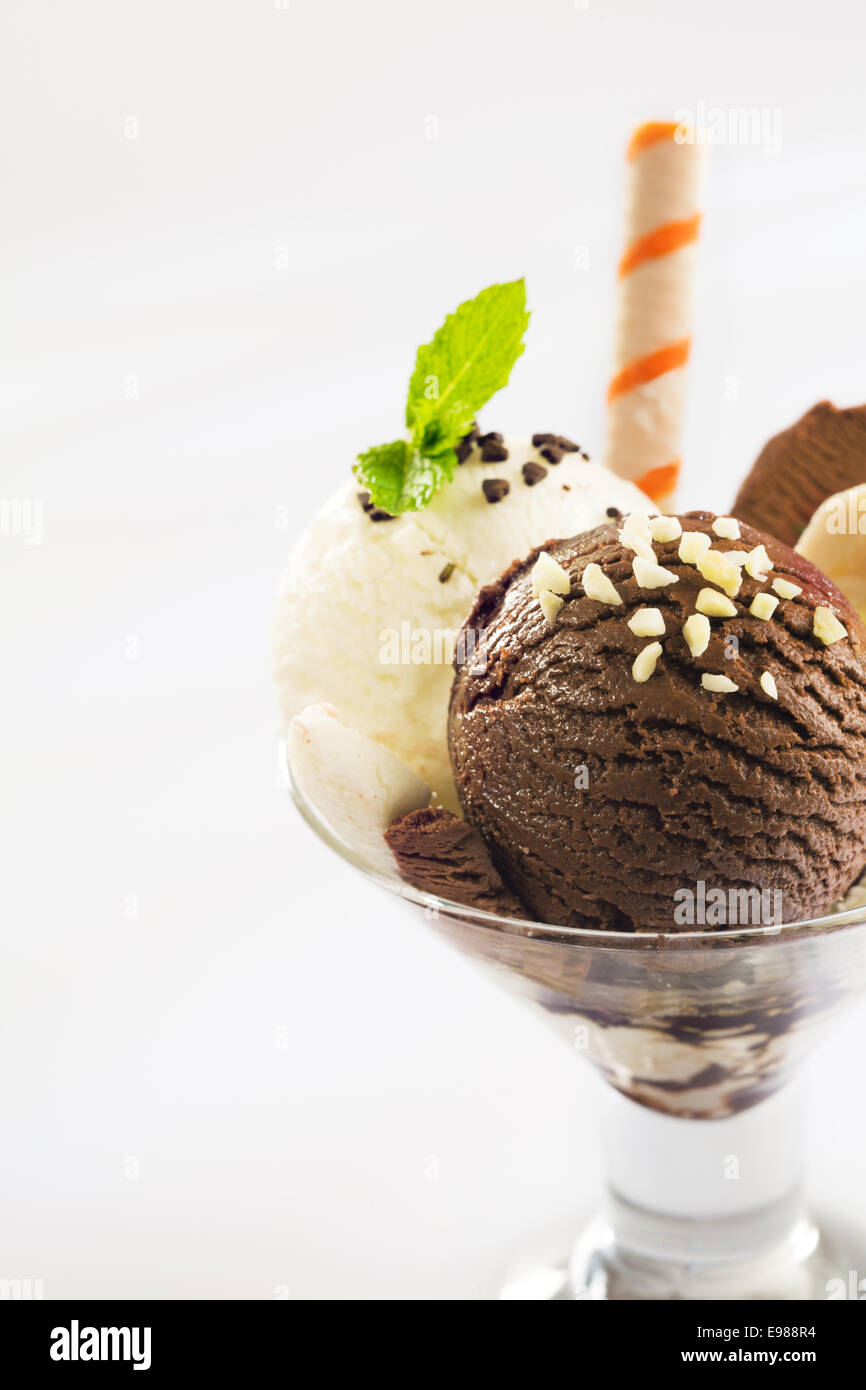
[665,730]
[823,453]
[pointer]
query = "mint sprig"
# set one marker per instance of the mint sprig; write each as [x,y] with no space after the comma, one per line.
[468,360]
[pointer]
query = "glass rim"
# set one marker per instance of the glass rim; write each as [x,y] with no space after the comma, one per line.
[598,937]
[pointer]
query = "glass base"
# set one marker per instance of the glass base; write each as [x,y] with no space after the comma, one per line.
[809,1263]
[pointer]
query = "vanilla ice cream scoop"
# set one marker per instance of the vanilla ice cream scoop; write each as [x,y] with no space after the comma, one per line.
[835,541]
[370,607]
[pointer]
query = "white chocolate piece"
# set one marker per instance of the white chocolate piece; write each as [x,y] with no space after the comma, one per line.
[598,586]
[727,526]
[768,685]
[647,622]
[665,528]
[692,546]
[758,563]
[715,605]
[826,626]
[785,589]
[763,606]
[716,567]
[548,574]
[637,536]
[550,604]
[719,684]
[649,575]
[696,631]
[639,524]
[645,662]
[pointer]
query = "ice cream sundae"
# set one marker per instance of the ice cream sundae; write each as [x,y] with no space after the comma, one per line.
[616,748]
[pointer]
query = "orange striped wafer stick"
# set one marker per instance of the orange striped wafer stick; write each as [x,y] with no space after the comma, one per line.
[646,396]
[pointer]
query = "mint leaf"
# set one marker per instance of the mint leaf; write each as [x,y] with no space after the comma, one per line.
[469,359]
[400,479]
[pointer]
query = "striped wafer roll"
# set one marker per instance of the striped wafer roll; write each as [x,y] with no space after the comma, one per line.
[646,396]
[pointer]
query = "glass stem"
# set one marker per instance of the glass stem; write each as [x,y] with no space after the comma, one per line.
[724,1189]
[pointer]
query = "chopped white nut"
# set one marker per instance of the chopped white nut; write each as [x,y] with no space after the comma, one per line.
[716,567]
[647,622]
[638,523]
[758,563]
[547,574]
[768,685]
[785,589]
[641,545]
[763,606]
[692,545]
[645,662]
[827,627]
[649,575]
[715,605]
[720,684]
[597,585]
[727,526]
[637,536]
[665,528]
[696,631]
[550,604]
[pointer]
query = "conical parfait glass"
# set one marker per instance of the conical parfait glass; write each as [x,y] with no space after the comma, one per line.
[700,1037]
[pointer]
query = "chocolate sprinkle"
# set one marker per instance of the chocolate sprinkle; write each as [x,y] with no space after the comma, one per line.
[613,512]
[566,445]
[467,443]
[552,452]
[533,473]
[445,573]
[374,513]
[495,489]
[492,448]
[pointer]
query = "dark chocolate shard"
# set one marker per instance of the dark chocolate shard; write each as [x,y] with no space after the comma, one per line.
[439,854]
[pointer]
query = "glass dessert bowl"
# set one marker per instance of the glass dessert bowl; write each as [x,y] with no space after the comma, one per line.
[700,1036]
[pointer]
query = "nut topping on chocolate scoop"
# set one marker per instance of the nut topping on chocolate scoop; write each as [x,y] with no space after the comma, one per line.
[739,760]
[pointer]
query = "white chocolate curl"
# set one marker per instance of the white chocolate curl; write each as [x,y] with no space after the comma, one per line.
[646,398]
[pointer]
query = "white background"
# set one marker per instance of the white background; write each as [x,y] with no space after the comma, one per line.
[225,231]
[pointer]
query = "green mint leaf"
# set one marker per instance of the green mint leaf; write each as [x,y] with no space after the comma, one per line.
[469,359]
[401,479]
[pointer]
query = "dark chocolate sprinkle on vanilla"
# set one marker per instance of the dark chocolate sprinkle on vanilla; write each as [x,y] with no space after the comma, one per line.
[533,473]
[495,489]
[374,513]
[613,512]
[559,440]
[445,573]
[552,452]
[492,448]
[467,443]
